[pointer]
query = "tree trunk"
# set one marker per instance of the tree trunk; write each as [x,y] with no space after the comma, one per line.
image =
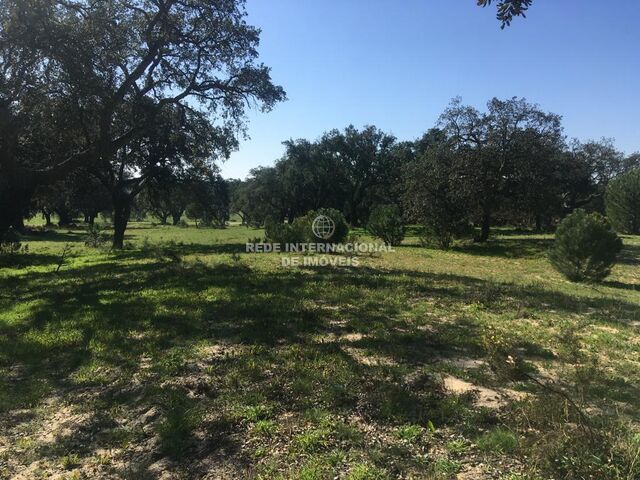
[121,214]
[176,216]
[485,227]
[47,217]
[64,217]
[538,223]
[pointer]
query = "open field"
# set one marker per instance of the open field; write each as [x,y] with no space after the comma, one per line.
[184,357]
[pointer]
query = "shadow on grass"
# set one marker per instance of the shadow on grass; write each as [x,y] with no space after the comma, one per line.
[621,285]
[116,314]
[21,260]
[630,255]
[62,235]
[508,248]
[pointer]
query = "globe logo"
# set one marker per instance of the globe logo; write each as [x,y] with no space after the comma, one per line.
[323,227]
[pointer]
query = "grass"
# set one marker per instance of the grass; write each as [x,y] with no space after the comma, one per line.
[182,353]
[498,441]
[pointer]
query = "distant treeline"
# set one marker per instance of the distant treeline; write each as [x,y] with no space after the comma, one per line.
[509,164]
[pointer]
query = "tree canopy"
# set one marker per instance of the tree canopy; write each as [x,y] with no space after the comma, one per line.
[139,84]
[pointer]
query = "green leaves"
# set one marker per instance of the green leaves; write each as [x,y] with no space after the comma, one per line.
[507,9]
[622,200]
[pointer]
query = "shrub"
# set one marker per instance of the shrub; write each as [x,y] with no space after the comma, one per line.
[340,233]
[622,201]
[95,236]
[10,243]
[385,222]
[301,229]
[276,232]
[585,247]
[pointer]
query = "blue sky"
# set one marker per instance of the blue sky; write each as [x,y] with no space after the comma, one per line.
[397,63]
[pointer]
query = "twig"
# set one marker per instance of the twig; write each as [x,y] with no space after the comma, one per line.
[67,247]
[585,422]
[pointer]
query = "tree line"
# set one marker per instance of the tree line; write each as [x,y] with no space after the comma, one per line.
[125,106]
[509,164]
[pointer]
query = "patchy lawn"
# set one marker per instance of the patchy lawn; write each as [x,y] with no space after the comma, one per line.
[184,357]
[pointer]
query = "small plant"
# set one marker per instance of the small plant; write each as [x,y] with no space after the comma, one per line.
[498,441]
[366,471]
[10,243]
[69,462]
[457,447]
[409,433]
[585,247]
[95,236]
[311,441]
[385,222]
[265,428]
[447,468]
[181,416]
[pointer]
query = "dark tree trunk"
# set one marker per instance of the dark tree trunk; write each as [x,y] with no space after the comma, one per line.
[121,214]
[176,216]
[47,217]
[485,227]
[538,223]
[18,222]
[64,216]
[163,219]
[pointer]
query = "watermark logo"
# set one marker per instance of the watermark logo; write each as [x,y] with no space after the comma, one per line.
[323,252]
[323,227]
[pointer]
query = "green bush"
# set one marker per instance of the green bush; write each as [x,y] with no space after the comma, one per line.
[276,232]
[385,222]
[622,201]
[301,230]
[585,247]
[11,243]
[305,224]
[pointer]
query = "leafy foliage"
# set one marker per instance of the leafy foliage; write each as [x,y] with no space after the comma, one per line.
[278,232]
[436,197]
[130,107]
[585,247]
[209,199]
[301,230]
[340,233]
[385,222]
[623,202]
[508,9]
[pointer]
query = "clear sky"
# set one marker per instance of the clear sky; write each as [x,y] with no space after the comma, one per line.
[397,63]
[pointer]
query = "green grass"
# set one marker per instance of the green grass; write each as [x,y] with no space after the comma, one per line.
[498,441]
[184,353]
